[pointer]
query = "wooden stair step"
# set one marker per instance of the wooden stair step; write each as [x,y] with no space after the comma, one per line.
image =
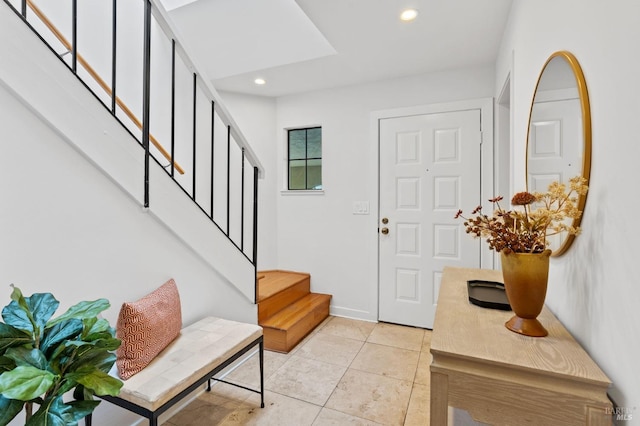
[273,282]
[279,289]
[285,329]
[289,316]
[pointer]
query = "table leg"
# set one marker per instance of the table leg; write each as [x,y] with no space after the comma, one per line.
[439,398]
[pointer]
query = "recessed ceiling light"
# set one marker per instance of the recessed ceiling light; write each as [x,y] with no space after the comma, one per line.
[409,14]
[260,81]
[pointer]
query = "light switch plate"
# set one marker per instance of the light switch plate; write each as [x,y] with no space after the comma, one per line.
[360,207]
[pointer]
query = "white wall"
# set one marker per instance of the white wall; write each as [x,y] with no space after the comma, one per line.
[594,287]
[84,238]
[256,117]
[318,233]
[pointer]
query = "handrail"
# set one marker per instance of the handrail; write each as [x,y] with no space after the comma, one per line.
[101,82]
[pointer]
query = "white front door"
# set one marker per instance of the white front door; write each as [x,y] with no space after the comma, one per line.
[429,168]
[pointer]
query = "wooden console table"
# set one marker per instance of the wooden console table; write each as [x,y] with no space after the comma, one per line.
[503,378]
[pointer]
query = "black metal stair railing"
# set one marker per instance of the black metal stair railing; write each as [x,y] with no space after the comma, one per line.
[225,174]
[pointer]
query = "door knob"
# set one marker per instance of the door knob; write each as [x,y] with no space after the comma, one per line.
[385,231]
[385,220]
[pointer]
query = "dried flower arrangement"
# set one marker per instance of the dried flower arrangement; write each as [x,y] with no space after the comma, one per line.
[527,230]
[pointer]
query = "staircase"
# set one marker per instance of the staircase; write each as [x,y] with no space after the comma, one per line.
[287,310]
[163,171]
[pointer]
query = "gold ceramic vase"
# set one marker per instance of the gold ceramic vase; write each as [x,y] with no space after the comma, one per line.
[525,281]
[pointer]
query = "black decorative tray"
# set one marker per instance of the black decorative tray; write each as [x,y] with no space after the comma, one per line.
[488,294]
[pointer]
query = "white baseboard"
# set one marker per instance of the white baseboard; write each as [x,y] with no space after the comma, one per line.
[353,314]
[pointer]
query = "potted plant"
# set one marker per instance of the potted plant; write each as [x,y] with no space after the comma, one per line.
[43,358]
[521,235]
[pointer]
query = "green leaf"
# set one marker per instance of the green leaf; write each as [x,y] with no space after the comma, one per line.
[88,324]
[29,313]
[53,412]
[107,343]
[25,383]
[14,315]
[27,357]
[59,353]
[53,336]
[82,310]
[6,364]
[98,381]
[16,296]
[80,409]
[95,328]
[84,356]
[42,306]
[65,386]
[11,336]
[9,408]
[96,358]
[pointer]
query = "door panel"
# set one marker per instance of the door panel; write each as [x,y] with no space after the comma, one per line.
[429,166]
[549,158]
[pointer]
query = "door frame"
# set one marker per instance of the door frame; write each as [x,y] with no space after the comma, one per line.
[486,107]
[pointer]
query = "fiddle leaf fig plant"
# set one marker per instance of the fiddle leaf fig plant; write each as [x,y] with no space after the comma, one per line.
[43,358]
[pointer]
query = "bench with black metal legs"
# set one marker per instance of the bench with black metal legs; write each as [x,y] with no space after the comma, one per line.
[195,357]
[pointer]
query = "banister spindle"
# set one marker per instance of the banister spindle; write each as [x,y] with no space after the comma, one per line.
[114,39]
[254,257]
[242,205]
[146,90]
[255,215]
[193,166]
[228,180]
[213,124]
[74,36]
[173,106]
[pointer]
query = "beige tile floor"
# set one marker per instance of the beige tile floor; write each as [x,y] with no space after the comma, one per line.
[346,372]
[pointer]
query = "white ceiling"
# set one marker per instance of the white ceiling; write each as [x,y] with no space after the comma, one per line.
[304,45]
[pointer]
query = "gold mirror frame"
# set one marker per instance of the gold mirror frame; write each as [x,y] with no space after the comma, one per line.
[586,132]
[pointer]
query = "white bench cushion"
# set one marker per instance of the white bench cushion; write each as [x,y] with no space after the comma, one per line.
[198,349]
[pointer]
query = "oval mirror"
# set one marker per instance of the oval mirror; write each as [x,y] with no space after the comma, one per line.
[559,134]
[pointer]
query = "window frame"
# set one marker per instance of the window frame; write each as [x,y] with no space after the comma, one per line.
[306,160]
